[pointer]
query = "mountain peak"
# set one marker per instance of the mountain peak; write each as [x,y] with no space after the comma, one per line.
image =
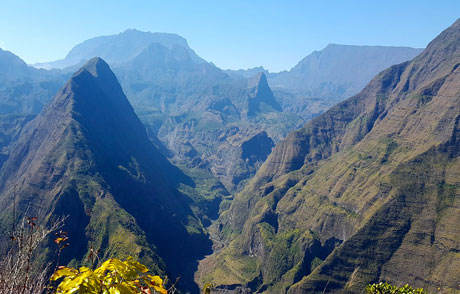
[340,70]
[96,74]
[13,69]
[119,48]
[96,66]
[8,58]
[259,80]
[88,151]
[260,92]
[92,92]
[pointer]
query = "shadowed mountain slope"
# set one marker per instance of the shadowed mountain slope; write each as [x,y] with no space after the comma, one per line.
[87,155]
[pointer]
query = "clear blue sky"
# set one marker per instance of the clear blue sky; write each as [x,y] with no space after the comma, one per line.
[232,34]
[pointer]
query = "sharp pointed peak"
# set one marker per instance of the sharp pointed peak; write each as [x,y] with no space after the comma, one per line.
[260,75]
[95,66]
[258,80]
[94,80]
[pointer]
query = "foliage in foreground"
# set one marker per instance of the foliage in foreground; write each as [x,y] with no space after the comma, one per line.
[113,276]
[385,288]
[17,272]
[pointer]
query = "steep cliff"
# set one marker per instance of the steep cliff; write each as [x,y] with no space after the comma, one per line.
[367,191]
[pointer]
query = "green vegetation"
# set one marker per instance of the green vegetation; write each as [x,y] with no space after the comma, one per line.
[385,288]
[113,276]
[17,274]
[376,178]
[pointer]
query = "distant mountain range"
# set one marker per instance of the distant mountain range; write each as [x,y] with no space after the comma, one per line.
[340,70]
[366,192]
[147,170]
[328,76]
[117,49]
[332,74]
[25,89]
[171,89]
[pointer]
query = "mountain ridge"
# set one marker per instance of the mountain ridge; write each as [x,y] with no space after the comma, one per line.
[87,155]
[345,75]
[349,198]
[118,48]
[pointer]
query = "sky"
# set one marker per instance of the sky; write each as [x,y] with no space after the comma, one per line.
[233,34]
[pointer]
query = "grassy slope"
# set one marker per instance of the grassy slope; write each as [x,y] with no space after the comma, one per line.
[350,176]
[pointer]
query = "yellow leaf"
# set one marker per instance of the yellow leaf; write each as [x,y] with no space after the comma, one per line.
[136,265]
[100,271]
[114,276]
[84,269]
[114,291]
[70,285]
[207,288]
[63,272]
[125,289]
[156,280]
[160,289]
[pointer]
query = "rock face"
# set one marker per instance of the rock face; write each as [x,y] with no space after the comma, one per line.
[239,157]
[367,191]
[261,96]
[87,155]
[256,149]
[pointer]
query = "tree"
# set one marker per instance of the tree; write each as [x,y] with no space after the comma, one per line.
[17,272]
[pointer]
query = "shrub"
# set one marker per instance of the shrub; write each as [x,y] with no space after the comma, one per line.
[17,271]
[113,276]
[385,288]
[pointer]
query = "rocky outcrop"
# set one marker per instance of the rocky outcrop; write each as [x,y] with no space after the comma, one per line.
[239,157]
[261,96]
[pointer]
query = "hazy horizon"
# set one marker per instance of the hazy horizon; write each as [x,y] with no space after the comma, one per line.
[231,35]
